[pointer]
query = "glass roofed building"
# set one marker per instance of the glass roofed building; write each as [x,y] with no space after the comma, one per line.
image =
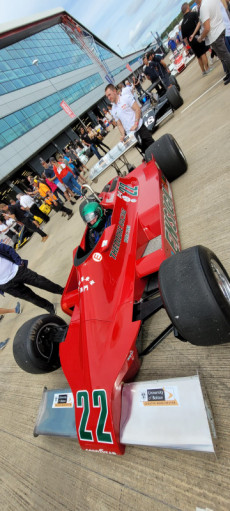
[50,63]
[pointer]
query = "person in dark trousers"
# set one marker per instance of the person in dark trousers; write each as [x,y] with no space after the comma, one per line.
[96,140]
[14,275]
[161,67]
[51,199]
[87,141]
[28,204]
[152,74]
[127,114]
[14,211]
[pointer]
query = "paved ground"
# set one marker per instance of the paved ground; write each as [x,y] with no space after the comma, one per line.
[55,475]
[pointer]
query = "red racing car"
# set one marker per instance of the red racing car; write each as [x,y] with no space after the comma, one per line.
[135,269]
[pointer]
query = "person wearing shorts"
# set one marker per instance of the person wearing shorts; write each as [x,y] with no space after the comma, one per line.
[188,27]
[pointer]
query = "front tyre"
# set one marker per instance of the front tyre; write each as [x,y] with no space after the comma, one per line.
[169,156]
[173,81]
[195,289]
[33,348]
[174,97]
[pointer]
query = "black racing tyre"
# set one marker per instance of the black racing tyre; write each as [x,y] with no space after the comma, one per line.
[169,156]
[33,348]
[173,81]
[174,97]
[195,289]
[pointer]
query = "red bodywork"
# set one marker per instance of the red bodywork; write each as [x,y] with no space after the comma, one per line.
[99,352]
[179,63]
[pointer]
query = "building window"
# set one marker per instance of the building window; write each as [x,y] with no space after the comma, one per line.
[18,123]
[54,51]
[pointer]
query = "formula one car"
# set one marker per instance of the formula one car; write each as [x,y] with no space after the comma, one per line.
[158,103]
[180,59]
[135,269]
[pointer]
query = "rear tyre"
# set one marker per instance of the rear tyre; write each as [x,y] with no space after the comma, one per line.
[173,81]
[174,97]
[169,156]
[33,349]
[195,289]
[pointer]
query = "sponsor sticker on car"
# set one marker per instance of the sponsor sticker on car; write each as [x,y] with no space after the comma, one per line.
[160,396]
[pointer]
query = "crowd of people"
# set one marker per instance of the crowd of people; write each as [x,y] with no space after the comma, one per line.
[205,31]
[59,183]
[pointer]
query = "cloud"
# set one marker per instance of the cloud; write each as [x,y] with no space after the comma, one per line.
[125,23]
[134,6]
[137,33]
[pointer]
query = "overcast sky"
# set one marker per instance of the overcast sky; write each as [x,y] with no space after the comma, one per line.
[122,24]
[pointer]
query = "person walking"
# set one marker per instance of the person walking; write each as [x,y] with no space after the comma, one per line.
[14,275]
[22,218]
[28,204]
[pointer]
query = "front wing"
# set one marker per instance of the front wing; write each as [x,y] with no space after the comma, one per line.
[171,413]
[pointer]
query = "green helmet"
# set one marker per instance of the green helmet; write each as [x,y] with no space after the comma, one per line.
[90,212]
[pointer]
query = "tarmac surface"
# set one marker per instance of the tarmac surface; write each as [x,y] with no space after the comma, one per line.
[53,474]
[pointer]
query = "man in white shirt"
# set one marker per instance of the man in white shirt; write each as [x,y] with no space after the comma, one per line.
[127,114]
[28,204]
[214,32]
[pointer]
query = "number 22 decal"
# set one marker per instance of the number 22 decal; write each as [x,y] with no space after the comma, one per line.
[99,401]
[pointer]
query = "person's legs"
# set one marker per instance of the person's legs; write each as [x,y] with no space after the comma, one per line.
[16,310]
[6,311]
[204,59]
[165,80]
[30,225]
[37,212]
[59,193]
[25,293]
[101,143]
[222,52]
[27,276]
[75,187]
[65,209]
[72,183]
[96,152]
[201,64]
[227,42]
[102,148]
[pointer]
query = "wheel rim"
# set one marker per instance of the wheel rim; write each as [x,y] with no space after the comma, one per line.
[44,342]
[222,279]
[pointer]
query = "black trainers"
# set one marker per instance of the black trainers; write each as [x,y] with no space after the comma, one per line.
[70,215]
